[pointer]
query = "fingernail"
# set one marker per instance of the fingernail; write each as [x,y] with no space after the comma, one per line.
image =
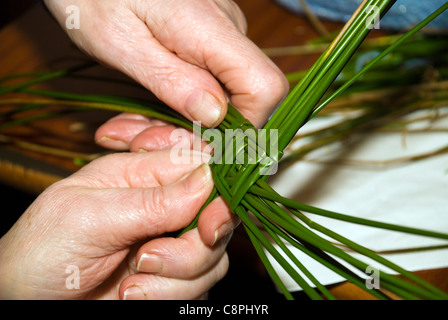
[150,263]
[134,293]
[205,107]
[199,179]
[223,231]
[112,143]
[102,139]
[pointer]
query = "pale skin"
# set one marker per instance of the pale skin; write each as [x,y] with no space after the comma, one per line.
[108,219]
[111,218]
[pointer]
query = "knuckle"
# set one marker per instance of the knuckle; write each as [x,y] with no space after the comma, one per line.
[155,206]
[279,86]
[273,88]
[234,13]
[161,208]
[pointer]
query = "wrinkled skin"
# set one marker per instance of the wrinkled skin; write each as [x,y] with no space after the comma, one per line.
[104,219]
[192,54]
[110,219]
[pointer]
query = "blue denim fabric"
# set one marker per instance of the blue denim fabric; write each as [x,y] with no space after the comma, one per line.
[403,15]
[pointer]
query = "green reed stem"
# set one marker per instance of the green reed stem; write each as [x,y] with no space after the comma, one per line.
[266,192]
[384,53]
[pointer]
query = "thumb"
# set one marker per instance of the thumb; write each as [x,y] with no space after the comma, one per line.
[133,214]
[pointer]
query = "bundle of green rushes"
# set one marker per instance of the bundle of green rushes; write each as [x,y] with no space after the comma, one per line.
[244,185]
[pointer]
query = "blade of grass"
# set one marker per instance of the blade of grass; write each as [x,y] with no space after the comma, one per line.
[384,53]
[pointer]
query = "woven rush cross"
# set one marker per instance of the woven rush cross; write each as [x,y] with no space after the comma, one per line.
[245,187]
[251,160]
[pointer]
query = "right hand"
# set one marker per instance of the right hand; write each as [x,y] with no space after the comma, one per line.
[192,54]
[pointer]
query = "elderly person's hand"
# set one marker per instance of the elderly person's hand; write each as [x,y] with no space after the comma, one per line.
[111,221]
[192,54]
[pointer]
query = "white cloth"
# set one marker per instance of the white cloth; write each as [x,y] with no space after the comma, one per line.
[413,194]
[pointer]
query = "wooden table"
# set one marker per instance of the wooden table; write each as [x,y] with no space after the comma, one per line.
[35,42]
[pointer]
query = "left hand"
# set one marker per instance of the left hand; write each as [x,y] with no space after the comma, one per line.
[109,220]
